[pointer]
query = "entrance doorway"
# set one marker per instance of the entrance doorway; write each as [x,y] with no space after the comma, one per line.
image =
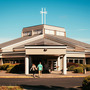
[48,62]
[52,64]
[36,59]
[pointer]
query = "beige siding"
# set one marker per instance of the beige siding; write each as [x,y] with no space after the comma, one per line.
[54,28]
[48,52]
[76,55]
[12,56]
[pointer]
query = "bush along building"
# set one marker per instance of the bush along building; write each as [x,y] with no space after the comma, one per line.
[47,44]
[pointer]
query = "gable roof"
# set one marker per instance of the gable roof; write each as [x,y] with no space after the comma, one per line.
[41,42]
[15,41]
[47,40]
[67,41]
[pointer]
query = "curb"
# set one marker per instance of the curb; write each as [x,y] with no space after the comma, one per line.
[41,77]
[16,77]
[65,77]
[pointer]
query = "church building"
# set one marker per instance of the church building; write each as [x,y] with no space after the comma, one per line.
[47,44]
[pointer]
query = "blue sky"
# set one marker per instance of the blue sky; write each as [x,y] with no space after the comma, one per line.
[73,15]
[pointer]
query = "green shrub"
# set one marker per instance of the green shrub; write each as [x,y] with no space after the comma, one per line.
[79,65]
[16,68]
[71,68]
[5,66]
[74,64]
[78,70]
[11,88]
[10,68]
[87,67]
[86,83]
[70,64]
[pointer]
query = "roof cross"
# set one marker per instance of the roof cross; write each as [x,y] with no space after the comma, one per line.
[43,12]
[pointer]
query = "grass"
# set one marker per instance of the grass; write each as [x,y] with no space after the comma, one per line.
[11,88]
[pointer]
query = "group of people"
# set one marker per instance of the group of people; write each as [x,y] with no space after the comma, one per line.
[34,68]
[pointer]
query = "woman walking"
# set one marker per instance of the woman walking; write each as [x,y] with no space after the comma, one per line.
[33,69]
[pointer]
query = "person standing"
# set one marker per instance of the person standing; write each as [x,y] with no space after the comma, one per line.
[33,69]
[40,68]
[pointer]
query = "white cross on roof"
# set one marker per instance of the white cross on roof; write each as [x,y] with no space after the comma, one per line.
[43,12]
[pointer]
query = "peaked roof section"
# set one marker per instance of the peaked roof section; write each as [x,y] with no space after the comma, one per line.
[47,40]
[15,41]
[41,42]
[67,41]
[57,40]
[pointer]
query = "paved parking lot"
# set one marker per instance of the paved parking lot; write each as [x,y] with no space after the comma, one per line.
[53,81]
[43,83]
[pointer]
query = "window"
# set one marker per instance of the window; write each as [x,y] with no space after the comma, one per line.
[60,33]
[71,61]
[37,32]
[25,34]
[81,61]
[29,33]
[76,61]
[49,32]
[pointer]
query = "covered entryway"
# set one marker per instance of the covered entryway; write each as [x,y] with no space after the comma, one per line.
[50,56]
[49,62]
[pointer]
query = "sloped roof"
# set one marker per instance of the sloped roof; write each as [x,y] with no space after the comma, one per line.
[67,41]
[15,41]
[41,42]
[48,40]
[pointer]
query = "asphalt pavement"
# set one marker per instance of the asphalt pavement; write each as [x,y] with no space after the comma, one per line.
[44,83]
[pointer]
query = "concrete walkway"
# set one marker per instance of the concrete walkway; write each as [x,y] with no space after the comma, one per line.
[53,74]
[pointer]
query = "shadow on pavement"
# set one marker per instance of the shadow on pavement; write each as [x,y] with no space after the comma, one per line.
[43,87]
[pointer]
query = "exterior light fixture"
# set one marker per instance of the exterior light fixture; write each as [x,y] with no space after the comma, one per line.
[45,49]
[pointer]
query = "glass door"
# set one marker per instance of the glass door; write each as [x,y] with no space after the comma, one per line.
[52,65]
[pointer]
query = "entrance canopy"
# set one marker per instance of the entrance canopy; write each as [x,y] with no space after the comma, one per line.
[45,50]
